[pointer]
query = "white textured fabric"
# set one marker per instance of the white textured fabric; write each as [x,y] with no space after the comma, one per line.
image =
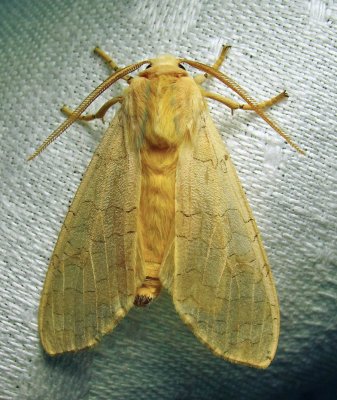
[46,61]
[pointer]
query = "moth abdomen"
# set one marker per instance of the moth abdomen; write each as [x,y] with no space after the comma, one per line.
[149,290]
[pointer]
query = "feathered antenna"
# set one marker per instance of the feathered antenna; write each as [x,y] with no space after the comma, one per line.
[242,93]
[85,104]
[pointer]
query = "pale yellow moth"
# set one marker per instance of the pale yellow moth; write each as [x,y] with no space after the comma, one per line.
[161,205]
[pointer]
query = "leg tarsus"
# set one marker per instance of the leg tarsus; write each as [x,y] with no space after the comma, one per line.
[106,58]
[267,103]
[101,53]
[99,114]
[223,54]
[218,62]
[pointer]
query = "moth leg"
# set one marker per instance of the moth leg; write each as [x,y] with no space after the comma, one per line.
[99,114]
[201,78]
[101,53]
[233,105]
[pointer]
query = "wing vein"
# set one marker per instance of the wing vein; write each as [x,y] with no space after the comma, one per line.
[92,265]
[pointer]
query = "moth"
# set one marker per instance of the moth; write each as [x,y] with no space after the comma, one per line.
[161,206]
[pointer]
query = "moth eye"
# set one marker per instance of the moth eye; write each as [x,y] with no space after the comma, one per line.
[181,66]
[149,66]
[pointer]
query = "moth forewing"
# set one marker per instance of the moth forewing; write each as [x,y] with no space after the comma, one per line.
[95,270]
[161,205]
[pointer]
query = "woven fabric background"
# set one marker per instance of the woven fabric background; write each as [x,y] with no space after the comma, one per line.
[46,61]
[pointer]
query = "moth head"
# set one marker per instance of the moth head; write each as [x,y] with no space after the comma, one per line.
[164,65]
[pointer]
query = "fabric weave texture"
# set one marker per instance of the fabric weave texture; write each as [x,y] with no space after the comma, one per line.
[47,61]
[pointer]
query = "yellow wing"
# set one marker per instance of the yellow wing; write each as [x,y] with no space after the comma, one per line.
[96,266]
[222,285]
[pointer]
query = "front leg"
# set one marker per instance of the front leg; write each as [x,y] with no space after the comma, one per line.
[201,78]
[110,62]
